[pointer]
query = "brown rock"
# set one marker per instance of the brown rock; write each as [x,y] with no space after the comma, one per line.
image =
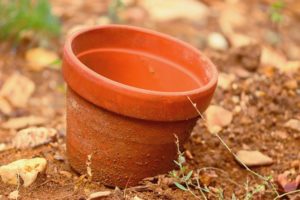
[253,158]
[291,84]
[32,137]
[293,124]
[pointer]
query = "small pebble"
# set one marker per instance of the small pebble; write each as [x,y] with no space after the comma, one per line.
[217,41]
[291,84]
[14,195]
[253,158]
[293,124]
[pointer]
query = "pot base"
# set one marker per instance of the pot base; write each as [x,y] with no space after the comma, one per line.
[123,150]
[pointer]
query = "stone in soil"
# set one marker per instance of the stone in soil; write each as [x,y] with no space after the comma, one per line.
[217,118]
[253,158]
[32,137]
[293,124]
[17,89]
[217,41]
[26,169]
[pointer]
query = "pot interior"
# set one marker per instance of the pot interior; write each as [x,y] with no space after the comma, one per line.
[142,59]
[140,69]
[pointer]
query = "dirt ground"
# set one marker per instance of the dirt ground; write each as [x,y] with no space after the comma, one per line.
[262,96]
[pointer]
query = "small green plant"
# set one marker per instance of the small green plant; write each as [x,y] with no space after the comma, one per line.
[267,181]
[113,10]
[276,11]
[257,189]
[21,17]
[184,178]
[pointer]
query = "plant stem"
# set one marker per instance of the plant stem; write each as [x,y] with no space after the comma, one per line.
[285,194]
[235,156]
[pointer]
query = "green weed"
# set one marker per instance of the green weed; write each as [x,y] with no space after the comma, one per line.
[276,9]
[185,178]
[21,17]
[114,8]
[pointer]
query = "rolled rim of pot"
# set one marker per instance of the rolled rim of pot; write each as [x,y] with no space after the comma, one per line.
[195,76]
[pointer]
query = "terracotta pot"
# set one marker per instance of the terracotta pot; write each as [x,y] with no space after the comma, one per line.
[127,97]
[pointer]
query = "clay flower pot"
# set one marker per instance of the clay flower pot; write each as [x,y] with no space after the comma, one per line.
[127,97]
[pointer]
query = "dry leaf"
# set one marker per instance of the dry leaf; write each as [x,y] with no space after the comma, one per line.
[39,58]
[22,122]
[27,169]
[217,117]
[167,10]
[253,158]
[32,137]
[17,89]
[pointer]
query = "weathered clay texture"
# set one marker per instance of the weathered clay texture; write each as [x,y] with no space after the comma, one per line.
[124,150]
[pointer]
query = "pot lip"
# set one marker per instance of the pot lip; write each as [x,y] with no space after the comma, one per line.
[90,73]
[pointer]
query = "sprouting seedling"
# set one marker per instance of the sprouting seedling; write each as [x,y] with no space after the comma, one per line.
[257,189]
[113,10]
[276,11]
[184,177]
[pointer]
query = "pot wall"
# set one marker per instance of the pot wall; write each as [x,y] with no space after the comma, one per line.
[124,150]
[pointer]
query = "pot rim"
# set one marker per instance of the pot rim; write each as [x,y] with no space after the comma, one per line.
[94,75]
